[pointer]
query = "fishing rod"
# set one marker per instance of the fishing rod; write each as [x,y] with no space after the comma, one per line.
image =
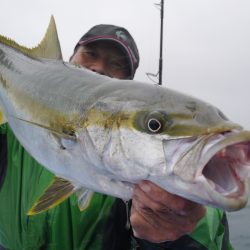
[161,45]
[161,40]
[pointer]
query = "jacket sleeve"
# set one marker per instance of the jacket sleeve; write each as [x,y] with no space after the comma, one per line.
[21,177]
[3,153]
[63,227]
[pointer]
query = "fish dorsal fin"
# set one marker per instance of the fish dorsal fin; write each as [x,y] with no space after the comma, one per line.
[56,193]
[84,197]
[48,48]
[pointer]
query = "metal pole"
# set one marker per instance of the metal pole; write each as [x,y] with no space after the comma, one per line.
[161,40]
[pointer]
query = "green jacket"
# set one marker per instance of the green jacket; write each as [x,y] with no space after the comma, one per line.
[100,227]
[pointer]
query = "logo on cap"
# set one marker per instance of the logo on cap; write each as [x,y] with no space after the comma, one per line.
[121,35]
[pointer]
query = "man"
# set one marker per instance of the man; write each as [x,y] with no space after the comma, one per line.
[159,220]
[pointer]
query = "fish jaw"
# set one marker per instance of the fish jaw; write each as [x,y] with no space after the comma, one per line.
[227,168]
[211,170]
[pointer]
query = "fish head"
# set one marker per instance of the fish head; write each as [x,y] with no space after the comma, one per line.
[186,146]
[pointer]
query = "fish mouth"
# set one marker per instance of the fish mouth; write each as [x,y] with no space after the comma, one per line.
[212,169]
[227,168]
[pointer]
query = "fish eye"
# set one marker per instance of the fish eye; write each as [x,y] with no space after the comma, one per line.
[154,122]
[154,125]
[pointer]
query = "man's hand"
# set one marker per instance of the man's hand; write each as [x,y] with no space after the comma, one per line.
[159,216]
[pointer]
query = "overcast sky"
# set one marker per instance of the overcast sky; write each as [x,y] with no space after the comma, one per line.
[206,42]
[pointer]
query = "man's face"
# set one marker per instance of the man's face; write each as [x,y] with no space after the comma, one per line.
[103,58]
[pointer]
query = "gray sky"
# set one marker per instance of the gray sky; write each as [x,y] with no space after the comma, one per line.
[206,42]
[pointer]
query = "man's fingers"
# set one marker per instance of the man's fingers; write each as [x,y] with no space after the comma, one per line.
[158,198]
[159,214]
[146,227]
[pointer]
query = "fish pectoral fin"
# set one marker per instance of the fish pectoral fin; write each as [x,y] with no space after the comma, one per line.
[84,197]
[49,47]
[56,193]
[66,137]
[2,117]
[69,134]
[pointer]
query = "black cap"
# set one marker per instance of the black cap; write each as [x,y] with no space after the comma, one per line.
[118,35]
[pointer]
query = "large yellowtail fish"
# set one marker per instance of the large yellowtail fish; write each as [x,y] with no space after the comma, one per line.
[101,134]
